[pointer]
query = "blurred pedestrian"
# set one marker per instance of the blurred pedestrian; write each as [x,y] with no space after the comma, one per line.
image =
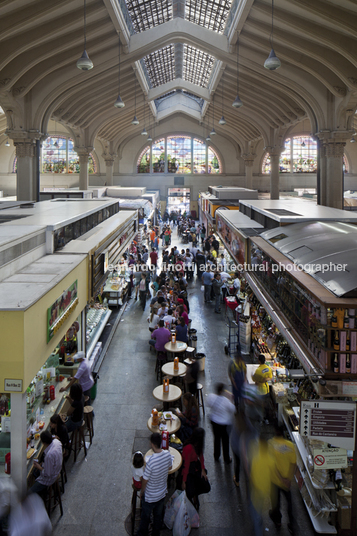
[237,372]
[29,518]
[222,411]
[261,377]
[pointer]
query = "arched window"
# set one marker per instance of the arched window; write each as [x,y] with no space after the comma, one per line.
[59,156]
[184,154]
[299,156]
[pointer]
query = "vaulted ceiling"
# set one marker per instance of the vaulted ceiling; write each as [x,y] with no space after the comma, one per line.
[181,56]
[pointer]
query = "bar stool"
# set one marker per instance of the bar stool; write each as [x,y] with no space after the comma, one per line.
[199,397]
[161,358]
[78,440]
[88,417]
[63,475]
[54,492]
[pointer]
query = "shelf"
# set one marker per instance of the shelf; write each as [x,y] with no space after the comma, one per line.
[296,410]
[303,454]
[98,332]
[320,524]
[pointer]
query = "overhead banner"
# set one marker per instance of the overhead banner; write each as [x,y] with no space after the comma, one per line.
[61,309]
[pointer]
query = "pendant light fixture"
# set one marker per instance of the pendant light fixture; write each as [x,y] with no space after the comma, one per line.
[237,103]
[149,137]
[303,134]
[352,140]
[144,133]
[272,62]
[135,121]
[222,121]
[213,132]
[7,143]
[119,103]
[84,63]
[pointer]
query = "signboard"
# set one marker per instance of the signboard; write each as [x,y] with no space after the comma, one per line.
[61,309]
[330,458]
[15,386]
[349,388]
[332,422]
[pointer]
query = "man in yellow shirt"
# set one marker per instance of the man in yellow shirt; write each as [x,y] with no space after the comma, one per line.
[261,377]
[284,455]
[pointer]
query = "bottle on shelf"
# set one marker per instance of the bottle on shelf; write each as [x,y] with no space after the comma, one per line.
[336,367]
[334,320]
[348,345]
[336,341]
[346,320]
[348,364]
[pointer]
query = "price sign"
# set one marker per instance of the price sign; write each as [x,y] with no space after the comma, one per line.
[332,422]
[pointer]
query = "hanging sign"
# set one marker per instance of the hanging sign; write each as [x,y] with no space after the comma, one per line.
[332,422]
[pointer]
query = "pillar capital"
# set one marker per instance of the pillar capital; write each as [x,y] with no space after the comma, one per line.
[249,159]
[109,158]
[25,148]
[274,151]
[83,151]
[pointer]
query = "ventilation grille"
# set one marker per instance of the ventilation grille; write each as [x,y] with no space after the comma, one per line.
[12,253]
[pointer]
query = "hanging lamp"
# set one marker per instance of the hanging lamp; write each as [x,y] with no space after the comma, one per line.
[7,143]
[144,132]
[84,63]
[135,121]
[237,103]
[213,132]
[352,140]
[222,121]
[272,62]
[119,103]
[303,144]
[149,137]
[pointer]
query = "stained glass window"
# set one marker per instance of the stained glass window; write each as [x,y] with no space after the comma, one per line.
[158,156]
[214,165]
[181,152]
[301,151]
[199,156]
[59,156]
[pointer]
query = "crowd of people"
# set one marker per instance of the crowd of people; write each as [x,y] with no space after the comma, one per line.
[237,416]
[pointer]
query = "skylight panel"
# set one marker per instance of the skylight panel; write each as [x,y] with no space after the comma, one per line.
[146,14]
[211,14]
[160,65]
[197,66]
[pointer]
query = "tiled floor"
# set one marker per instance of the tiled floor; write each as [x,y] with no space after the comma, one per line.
[98,493]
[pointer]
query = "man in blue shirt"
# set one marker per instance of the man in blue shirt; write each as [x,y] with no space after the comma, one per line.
[207,278]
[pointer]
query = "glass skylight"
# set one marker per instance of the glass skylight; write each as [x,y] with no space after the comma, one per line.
[146,14]
[197,66]
[211,14]
[160,65]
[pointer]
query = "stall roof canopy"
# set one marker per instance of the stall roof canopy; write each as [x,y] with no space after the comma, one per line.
[237,219]
[326,251]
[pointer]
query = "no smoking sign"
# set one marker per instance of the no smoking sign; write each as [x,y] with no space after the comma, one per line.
[319,460]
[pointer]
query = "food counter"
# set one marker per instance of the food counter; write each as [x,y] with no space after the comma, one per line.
[97,318]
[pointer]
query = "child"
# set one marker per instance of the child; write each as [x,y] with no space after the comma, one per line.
[138,469]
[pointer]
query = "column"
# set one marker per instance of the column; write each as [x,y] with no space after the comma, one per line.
[274,174]
[334,151]
[26,170]
[83,154]
[248,162]
[18,440]
[322,174]
[109,163]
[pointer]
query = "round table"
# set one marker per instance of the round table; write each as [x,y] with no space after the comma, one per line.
[173,394]
[172,426]
[176,348]
[168,368]
[177,462]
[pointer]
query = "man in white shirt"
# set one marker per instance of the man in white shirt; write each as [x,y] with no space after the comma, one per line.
[222,411]
[154,487]
[52,465]
[83,375]
[236,284]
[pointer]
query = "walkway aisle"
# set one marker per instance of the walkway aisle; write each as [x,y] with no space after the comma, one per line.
[98,493]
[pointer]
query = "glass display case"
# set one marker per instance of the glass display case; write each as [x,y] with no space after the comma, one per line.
[97,318]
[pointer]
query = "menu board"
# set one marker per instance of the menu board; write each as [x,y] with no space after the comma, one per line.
[333,422]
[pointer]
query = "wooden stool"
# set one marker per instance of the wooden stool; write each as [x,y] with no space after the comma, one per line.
[161,358]
[63,475]
[78,441]
[88,417]
[54,492]
[200,396]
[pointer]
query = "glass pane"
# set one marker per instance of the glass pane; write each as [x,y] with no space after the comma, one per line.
[214,165]
[73,158]
[179,154]
[285,158]
[158,156]
[143,165]
[54,155]
[199,156]
[92,166]
[304,155]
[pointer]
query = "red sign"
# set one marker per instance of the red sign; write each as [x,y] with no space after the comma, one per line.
[319,460]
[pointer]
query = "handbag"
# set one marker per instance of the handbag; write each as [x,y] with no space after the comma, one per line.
[196,484]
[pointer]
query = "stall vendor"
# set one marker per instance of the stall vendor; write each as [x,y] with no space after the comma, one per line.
[83,375]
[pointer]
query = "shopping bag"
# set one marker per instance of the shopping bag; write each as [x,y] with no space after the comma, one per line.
[171,509]
[202,288]
[183,523]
